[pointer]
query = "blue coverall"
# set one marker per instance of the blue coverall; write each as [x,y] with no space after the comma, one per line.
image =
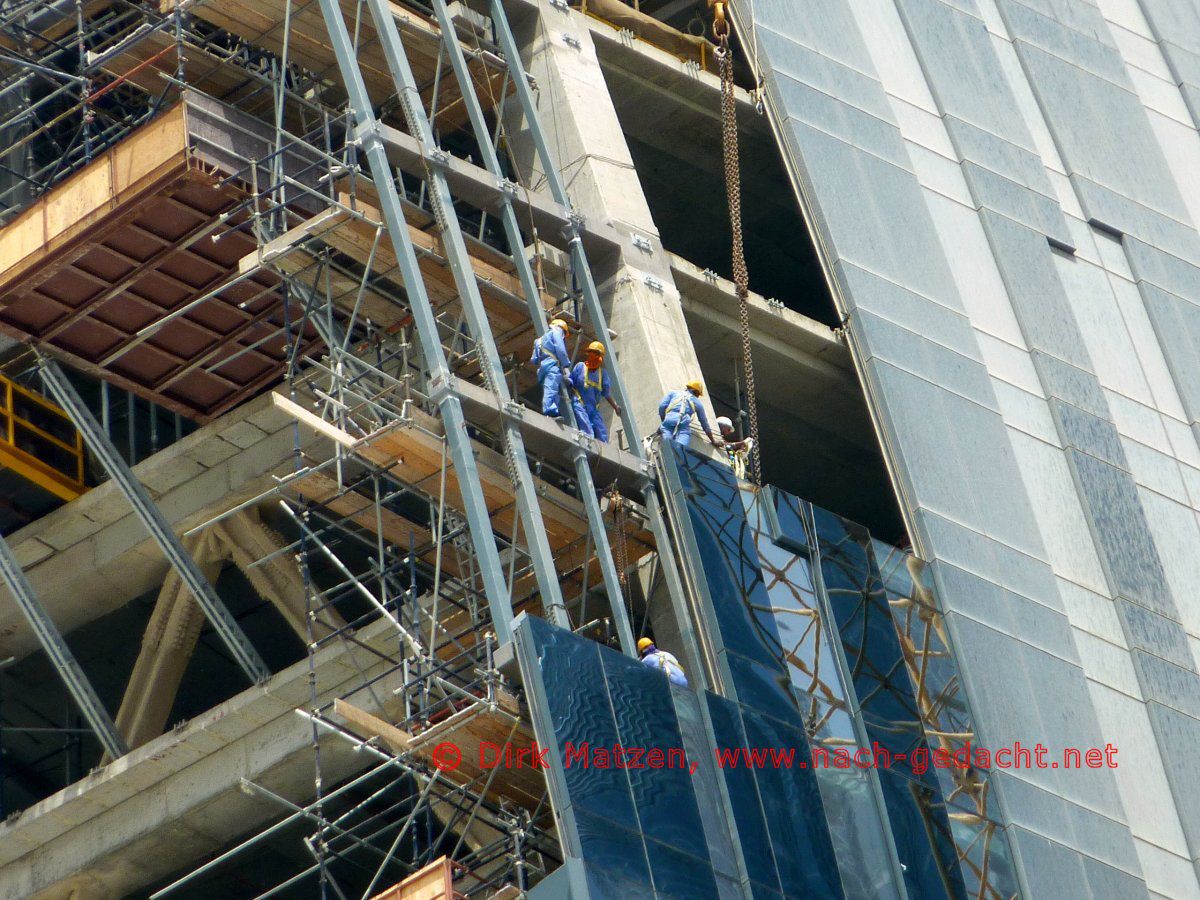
[676,411]
[593,386]
[550,356]
[666,662]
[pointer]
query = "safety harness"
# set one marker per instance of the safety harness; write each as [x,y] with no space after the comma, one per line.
[684,398]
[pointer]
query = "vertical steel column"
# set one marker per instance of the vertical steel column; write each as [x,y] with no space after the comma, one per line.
[520,80]
[459,261]
[222,622]
[56,648]
[516,243]
[449,405]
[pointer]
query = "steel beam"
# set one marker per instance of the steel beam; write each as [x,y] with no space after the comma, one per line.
[98,441]
[512,56]
[60,655]
[449,405]
[512,230]
[459,260]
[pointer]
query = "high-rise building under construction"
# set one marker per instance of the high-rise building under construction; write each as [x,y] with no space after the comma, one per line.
[306,590]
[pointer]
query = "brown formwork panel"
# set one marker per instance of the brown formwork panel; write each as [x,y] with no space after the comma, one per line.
[140,233]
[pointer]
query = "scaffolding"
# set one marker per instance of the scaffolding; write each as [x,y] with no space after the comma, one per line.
[211,199]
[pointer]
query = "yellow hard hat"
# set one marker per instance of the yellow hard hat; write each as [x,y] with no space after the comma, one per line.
[644,644]
[596,347]
[561,324]
[697,387]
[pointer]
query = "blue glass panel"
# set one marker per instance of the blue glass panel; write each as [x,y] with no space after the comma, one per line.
[805,646]
[858,832]
[765,688]
[790,517]
[664,797]
[698,744]
[678,876]
[795,816]
[726,555]
[743,795]
[580,710]
[614,856]
[868,635]
[920,825]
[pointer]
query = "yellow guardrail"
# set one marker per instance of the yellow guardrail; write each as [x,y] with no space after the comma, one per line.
[38,441]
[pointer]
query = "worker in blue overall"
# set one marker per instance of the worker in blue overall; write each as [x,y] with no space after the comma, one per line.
[676,412]
[553,364]
[593,384]
[665,662]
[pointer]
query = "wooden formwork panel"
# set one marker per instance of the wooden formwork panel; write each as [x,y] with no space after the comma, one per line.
[147,231]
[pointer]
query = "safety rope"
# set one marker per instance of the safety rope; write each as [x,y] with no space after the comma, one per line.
[733,193]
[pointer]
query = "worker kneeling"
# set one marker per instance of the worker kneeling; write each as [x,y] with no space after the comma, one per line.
[661,660]
[591,382]
[553,363]
[676,412]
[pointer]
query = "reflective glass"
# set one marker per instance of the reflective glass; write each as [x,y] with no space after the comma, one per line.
[727,556]
[678,876]
[614,857]
[568,664]
[752,831]
[919,825]
[804,647]
[794,813]
[645,717]
[698,744]
[868,636]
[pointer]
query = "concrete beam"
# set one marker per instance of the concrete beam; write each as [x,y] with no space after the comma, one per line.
[576,109]
[176,799]
[92,555]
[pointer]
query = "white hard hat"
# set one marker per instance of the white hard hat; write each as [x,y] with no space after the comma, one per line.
[724,422]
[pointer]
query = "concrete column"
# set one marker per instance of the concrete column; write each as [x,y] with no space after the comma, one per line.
[577,113]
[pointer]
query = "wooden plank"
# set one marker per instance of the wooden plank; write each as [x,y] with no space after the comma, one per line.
[434,882]
[261,22]
[372,726]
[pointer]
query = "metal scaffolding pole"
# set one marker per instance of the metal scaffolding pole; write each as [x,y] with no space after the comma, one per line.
[98,441]
[449,405]
[520,80]
[60,655]
[459,261]
[583,472]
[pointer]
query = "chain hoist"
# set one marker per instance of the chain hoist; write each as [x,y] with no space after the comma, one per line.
[733,194]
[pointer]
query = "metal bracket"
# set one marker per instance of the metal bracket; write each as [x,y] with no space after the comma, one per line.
[507,188]
[710,276]
[514,410]
[655,284]
[576,219]
[439,157]
[561,5]
[571,41]
[642,243]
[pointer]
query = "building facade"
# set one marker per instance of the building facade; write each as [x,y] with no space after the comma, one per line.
[292,549]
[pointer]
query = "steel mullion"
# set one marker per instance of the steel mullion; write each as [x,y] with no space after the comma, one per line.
[215,610]
[658,526]
[60,655]
[448,402]
[459,261]
[537,313]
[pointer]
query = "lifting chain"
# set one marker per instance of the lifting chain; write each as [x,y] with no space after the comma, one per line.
[733,193]
[620,556]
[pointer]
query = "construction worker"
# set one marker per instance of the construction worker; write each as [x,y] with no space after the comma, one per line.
[736,450]
[592,383]
[550,356]
[676,411]
[661,660]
